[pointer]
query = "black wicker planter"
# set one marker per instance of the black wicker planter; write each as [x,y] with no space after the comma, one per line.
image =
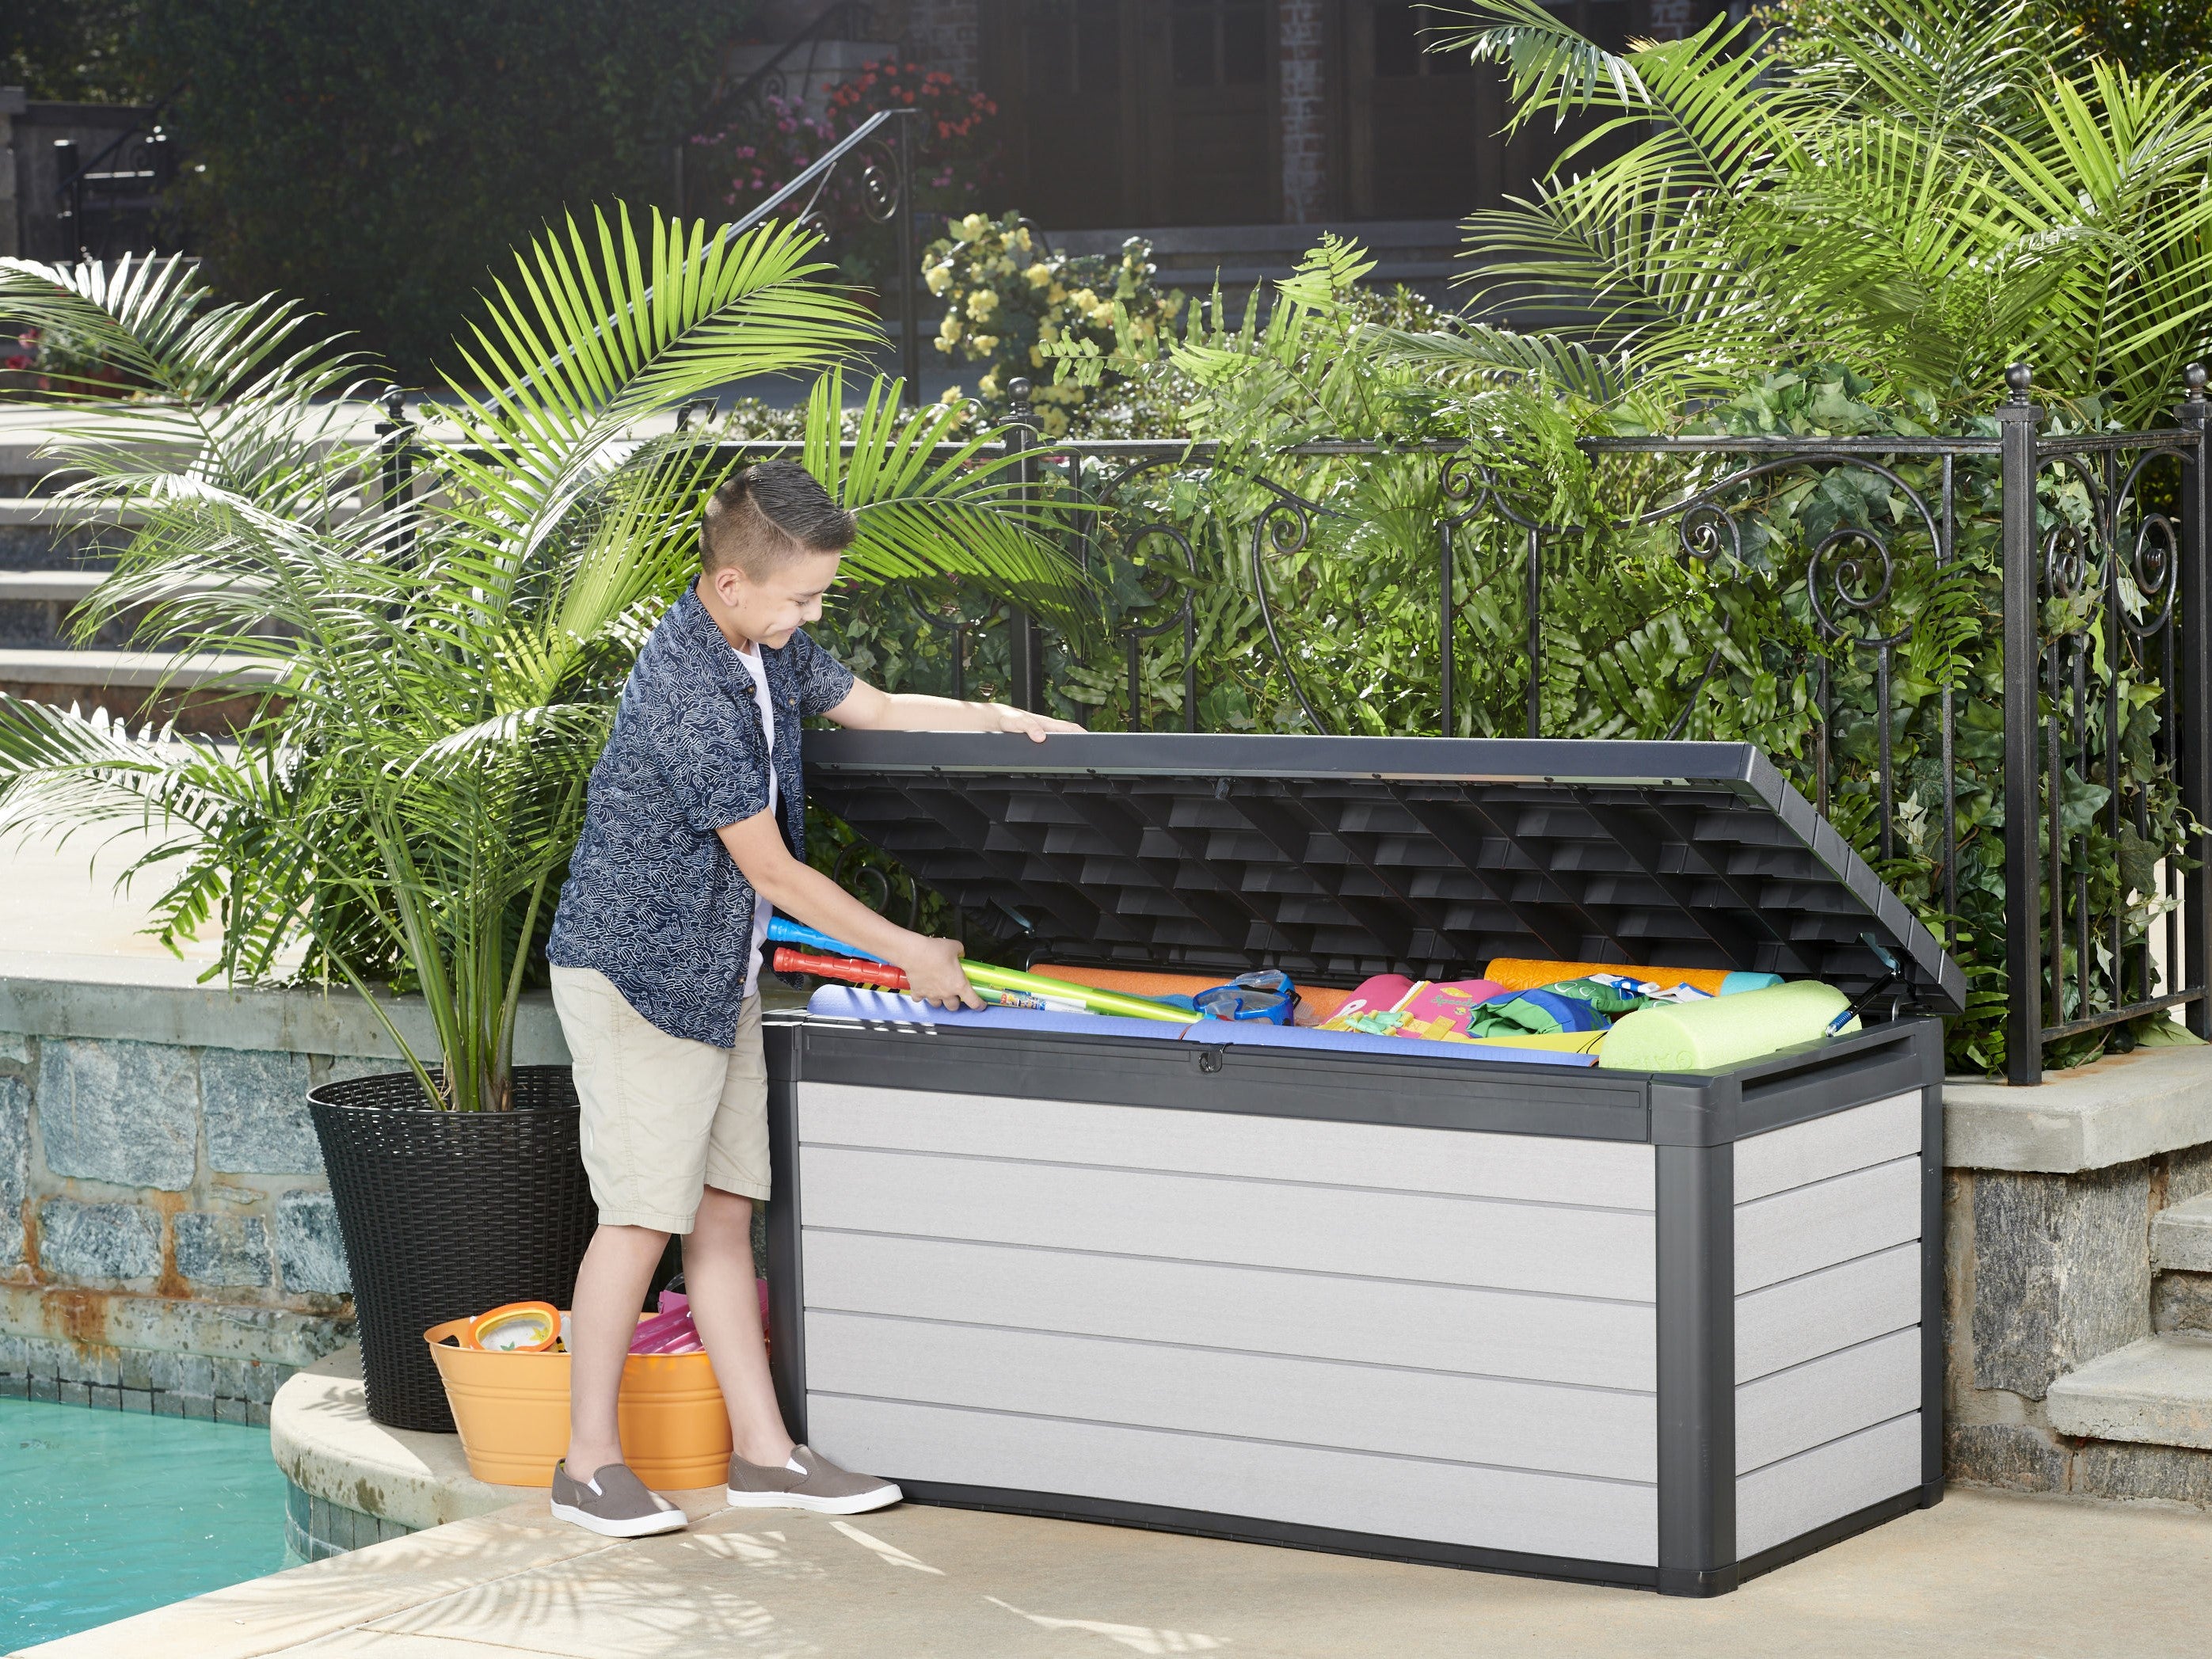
[445,1214]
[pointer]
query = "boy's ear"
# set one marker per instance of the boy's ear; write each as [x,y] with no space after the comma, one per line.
[728,583]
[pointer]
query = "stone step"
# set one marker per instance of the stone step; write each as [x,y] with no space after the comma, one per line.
[2156,1392]
[130,670]
[44,511]
[2181,1237]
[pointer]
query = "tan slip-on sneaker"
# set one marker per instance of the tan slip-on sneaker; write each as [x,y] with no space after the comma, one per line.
[808,1481]
[614,1503]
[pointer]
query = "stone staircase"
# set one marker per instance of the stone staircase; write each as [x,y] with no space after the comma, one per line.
[2157,1391]
[46,570]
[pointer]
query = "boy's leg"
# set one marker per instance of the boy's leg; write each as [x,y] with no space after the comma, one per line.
[718,1275]
[610,1287]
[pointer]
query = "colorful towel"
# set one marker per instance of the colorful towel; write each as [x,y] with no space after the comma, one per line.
[1527,974]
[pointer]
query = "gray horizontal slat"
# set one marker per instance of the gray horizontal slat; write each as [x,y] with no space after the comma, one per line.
[1789,1412]
[1783,1500]
[1801,1319]
[1535,1167]
[1392,1497]
[1409,1235]
[1826,1146]
[1811,1227]
[1309,1402]
[1318,1315]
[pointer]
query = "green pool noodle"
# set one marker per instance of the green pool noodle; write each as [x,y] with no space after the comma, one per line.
[1722,1031]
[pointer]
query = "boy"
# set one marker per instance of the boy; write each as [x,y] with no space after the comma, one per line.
[692,832]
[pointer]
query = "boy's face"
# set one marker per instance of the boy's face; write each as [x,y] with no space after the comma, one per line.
[770,610]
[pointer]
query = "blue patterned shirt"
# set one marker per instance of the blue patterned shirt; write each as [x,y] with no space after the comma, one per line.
[653,900]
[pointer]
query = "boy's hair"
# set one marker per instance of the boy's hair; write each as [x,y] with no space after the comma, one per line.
[768,515]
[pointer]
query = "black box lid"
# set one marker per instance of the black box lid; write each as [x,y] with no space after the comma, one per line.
[1336,858]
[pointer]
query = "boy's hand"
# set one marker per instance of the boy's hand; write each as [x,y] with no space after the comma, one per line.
[1036,727]
[932,973]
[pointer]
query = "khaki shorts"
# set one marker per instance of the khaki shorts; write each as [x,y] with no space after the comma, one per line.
[663,1117]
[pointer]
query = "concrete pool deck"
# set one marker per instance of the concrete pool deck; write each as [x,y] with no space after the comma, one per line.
[1983,1572]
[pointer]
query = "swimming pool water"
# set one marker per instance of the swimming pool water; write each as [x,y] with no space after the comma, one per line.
[107,1513]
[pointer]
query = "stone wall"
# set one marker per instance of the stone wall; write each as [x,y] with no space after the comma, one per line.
[167,1242]
[1305,32]
[2048,1198]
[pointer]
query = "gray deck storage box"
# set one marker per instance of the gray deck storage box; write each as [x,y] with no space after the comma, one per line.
[1664,1331]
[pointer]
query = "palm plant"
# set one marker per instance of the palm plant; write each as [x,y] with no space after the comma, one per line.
[439,673]
[1925,189]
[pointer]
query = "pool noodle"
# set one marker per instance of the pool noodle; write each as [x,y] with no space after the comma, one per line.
[1316,1002]
[1528,973]
[1722,1031]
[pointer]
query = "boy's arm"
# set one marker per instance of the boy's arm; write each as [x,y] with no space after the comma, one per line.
[867,709]
[932,965]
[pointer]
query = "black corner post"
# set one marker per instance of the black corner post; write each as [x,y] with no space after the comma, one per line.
[1025,641]
[1695,1191]
[911,282]
[2195,670]
[2017,420]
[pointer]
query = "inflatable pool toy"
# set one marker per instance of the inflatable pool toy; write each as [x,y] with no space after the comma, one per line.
[514,1328]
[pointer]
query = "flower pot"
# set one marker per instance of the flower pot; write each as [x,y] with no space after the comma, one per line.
[445,1214]
[512,1412]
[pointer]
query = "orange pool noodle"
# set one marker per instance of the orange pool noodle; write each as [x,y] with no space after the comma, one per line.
[1524,974]
[1316,1002]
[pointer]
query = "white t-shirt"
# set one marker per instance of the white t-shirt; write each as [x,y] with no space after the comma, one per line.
[762,910]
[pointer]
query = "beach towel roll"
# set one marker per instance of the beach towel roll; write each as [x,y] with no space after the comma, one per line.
[1725,1030]
[1528,973]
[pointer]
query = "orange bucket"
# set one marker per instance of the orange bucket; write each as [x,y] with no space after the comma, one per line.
[512,1412]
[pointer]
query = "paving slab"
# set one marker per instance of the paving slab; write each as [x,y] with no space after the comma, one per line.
[2158,1391]
[1983,1572]
[2121,1109]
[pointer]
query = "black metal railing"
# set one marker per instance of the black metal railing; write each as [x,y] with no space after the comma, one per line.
[2093,547]
[792,68]
[110,204]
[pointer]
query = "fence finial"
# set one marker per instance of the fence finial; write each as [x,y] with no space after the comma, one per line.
[2194,377]
[1018,391]
[394,399]
[2019,377]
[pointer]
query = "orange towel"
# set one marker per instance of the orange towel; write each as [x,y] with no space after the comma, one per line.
[1130,982]
[1316,1002]
[1522,974]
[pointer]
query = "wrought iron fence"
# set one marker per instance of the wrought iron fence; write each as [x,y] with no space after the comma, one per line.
[2095,556]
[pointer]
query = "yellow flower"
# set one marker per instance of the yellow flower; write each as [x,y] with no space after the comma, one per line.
[1049,334]
[949,330]
[983,344]
[1085,299]
[1038,274]
[1022,238]
[950,395]
[1055,294]
[939,277]
[988,386]
[981,304]
[1102,314]
[1036,358]
[1001,267]
[972,226]
[1052,423]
